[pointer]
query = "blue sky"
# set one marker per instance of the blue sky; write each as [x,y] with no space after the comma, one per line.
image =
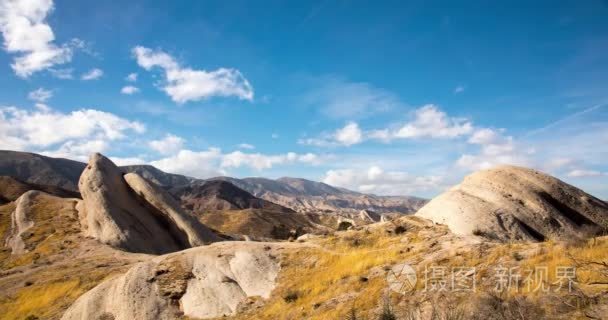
[390,98]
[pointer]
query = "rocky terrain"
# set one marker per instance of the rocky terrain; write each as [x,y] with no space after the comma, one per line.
[129,249]
[217,195]
[297,194]
[308,196]
[514,203]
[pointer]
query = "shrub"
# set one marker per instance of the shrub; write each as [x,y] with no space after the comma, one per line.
[387,311]
[291,296]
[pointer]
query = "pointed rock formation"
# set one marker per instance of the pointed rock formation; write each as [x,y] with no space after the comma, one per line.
[113,213]
[514,203]
[205,282]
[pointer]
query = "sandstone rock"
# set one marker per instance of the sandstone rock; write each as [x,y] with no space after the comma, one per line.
[514,203]
[182,223]
[114,214]
[20,222]
[204,282]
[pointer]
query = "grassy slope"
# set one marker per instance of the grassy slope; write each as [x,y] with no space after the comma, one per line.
[60,264]
[348,270]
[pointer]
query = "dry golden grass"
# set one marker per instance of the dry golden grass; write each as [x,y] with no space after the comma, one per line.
[325,281]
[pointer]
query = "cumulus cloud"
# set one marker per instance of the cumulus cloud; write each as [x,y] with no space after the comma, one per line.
[92,74]
[246,146]
[127,161]
[199,164]
[348,135]
[430,122]
[27,34]
[427,122]
[72,134]
[184,84]
[132,77]
[494,149]
[167,145]
[260,161]
[376,180]
[40,95]
[128,90]
[213,162]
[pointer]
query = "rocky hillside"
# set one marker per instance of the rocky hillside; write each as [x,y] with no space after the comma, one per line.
[514,203]
[297,194]
[216,195]
[38,169]
[68,258]
[308,196]
[11,189]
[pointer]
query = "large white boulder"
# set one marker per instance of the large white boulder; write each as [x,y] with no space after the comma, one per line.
[514,203]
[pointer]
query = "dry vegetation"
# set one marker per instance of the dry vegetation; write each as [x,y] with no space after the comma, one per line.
[336,277]
[346,272]
[60,264]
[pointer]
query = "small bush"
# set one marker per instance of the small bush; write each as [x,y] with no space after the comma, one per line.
[387,311]
[400,230]
[291,296]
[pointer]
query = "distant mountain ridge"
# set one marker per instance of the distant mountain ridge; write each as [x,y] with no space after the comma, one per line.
[307,196]
[297,194]
[220,195]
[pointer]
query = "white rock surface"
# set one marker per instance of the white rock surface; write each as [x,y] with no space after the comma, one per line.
[114,214]
[194,233]
[20,222]
[514,203]
[203,282]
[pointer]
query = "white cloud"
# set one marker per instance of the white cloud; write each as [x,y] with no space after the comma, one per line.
[167,145]
[26,33]
[338,98]
[260,161]
[92,74]
[430,122]
[40,95]
[199,164]
[127,161]
[71,134]
[212,162]
[459,89]
[494,149]
[349,135]
[78,149]
[132,77]
[186,84]
[376,180]
[346,136]
[129,90]
[584,173]
[246,146]
[63,74]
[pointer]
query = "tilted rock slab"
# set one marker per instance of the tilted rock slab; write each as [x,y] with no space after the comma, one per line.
[20,222]
[203,282]
[514,203]
[135,216]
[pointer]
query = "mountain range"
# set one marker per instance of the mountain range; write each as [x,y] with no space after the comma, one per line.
[297,194]
[123,246]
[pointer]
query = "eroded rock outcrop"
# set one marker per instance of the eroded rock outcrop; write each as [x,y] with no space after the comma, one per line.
[203,282]
[20,222]
[135,216]
[514,203]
